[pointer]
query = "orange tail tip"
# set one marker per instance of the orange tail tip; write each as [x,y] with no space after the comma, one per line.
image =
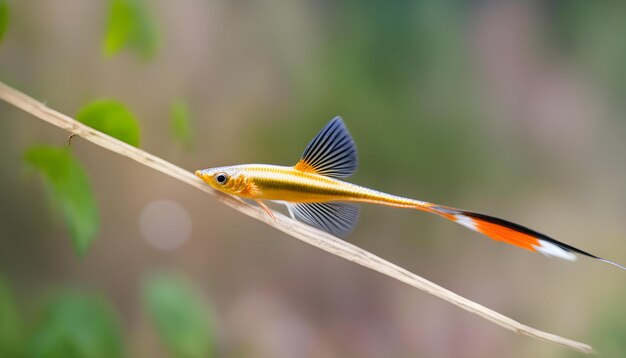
[514,234]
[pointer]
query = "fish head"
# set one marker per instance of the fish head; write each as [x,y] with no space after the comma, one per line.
[230,180]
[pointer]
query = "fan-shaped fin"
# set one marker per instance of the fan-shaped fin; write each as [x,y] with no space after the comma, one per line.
[335,218]
[332,152]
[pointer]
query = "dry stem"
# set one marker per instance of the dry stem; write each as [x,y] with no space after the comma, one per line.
[283,223]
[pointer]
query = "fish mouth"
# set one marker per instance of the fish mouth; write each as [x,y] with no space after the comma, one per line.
[202,174]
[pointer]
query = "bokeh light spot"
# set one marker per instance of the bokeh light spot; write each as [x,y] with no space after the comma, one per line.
[165,224]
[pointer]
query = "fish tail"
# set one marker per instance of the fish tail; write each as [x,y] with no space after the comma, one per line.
[513,234]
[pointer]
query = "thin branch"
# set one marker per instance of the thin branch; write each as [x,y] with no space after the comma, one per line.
[283,223]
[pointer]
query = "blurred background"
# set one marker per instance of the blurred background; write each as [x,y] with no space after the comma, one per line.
[511,108]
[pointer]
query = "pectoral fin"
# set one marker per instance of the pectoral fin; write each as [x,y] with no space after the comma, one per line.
[267,209]
[335,218]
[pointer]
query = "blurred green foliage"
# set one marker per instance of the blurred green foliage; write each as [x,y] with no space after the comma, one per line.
[74,323]
[588,33]
[180,123]
[609,330]
[180,316]
[77,325]
[130,25]
[11,328]
[69,186]
[113,118]
[4,17]
[66,178]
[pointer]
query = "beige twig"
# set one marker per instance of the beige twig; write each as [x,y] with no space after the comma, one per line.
[283,223]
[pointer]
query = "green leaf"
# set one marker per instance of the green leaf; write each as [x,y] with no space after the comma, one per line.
[143,38]
[111,117]
[180,123]
[180,317]
[119,26]
[11,329]
[77,325]
[70,188]
[130,25]
[4,18]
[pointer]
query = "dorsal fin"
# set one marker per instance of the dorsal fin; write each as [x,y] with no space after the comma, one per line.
[332,152]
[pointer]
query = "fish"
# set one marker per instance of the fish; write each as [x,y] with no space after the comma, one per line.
[315,194]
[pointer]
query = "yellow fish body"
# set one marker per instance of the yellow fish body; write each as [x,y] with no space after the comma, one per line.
[315,194]
[282,183]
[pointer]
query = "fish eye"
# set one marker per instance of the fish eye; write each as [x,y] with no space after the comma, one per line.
[221,178]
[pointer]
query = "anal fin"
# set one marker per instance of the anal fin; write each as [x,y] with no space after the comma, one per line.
[335,218]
